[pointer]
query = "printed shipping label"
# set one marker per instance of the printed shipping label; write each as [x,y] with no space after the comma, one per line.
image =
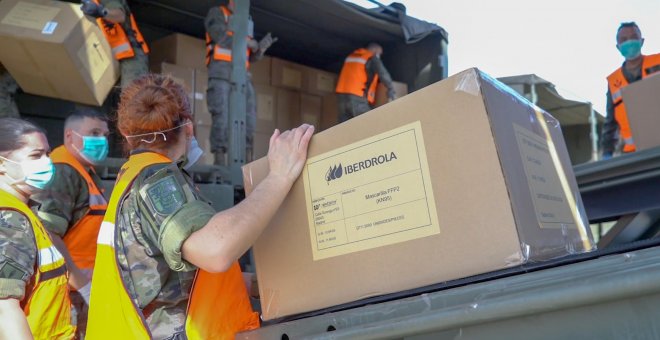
[552,207]
[29,15]
[369,194]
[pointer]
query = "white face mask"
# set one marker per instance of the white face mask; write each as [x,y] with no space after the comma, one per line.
[193,154]
[37,173]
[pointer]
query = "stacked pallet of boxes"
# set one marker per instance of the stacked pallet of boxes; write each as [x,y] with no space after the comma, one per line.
[287,94]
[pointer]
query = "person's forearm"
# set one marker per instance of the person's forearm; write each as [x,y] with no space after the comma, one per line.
[115,15]
[13,324]
[230,233]
[77,277]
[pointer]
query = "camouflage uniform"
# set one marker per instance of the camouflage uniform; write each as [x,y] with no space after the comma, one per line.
[8,88]
[18,254]
[62,205]
[157,278]
[219,87]
[350,105]
[131,68]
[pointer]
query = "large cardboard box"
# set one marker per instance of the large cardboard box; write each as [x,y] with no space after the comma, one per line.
[288,106]
[52,50]
[642,100]
[179,49]
[261,71]
[330,111]
[319,82]
[401,89]
[185,76]
[310,110]
[265,96]
[287,74]
[460,178]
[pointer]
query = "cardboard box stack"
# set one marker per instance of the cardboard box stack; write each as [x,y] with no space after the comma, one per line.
[643,109]
[53,50]
[287,94]
[457,179]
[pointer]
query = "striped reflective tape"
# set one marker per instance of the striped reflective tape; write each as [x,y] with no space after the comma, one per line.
[48,256]
[107,234]
[356,60]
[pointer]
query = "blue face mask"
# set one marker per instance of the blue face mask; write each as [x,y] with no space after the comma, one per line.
[37,173]
[95,148]
[631,49]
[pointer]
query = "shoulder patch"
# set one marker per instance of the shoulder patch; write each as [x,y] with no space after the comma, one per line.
[165,195]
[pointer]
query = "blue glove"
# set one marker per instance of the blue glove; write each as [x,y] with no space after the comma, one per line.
[93,9]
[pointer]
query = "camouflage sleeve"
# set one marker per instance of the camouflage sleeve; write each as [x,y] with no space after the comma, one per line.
[64,202]
[375,66]
[171,210]
[17,254]
[216,27]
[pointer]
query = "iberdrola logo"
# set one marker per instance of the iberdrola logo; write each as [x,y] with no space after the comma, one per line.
[333,173]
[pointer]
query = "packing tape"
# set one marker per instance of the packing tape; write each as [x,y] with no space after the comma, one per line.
[468,83]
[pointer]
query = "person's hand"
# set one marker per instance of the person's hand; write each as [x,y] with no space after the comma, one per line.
[266,42]
[253,45]
[287,152]
[391,95]
[93,9]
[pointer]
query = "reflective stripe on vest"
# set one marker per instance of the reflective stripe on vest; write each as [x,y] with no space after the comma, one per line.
[47,307]
[81,238]
[223,53]
[218,307]
[616,82]
[118,39]
[353,76]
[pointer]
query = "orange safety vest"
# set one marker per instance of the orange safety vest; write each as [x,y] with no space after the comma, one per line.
[80,239]
[47,307]
[617,81]
[353,76]
[223,53]
[117,38]
[218,308]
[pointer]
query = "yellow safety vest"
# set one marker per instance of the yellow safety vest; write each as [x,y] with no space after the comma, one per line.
[47,307]
[218,308]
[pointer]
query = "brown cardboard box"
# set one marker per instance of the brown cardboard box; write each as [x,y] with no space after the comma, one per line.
[310,111]
[266,96]
[203,134]
[642,100]
[261,70]
[287,74]
[261,142]
[288,105]
[52,50]
[200,109]
[319,82]
[330,111]
[179,49]
[401,89]
[460,178]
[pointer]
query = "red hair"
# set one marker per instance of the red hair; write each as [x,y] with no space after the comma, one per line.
[152,103]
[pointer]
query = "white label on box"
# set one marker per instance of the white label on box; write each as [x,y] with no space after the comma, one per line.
[553,209]
[93,57]
[49,28]
[199,96]
[30,15]
[369,194]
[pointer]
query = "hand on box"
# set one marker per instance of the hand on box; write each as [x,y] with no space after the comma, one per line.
[93,9]
[287,152]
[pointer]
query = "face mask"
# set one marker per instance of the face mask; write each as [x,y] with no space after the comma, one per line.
[95,148]
[631,49]
[37,173]
[193,153]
